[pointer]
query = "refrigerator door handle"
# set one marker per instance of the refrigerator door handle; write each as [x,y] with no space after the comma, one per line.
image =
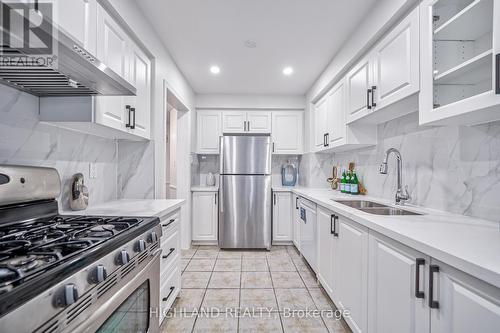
[221,193]
[221,155]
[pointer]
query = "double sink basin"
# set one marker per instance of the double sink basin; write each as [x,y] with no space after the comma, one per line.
[375,208]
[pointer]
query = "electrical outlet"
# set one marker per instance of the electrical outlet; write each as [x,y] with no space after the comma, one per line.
[92,170]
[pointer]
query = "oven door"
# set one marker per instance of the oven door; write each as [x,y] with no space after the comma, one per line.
[128,308]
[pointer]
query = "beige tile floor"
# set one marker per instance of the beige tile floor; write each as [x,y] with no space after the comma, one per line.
[249,291]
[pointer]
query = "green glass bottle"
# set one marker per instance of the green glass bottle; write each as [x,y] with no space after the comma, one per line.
[354,183]
[347,182]
[342,182]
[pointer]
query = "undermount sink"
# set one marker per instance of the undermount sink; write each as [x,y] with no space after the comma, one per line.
[375,208]
[360,203]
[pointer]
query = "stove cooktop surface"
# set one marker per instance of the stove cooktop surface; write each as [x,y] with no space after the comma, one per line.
[31,248]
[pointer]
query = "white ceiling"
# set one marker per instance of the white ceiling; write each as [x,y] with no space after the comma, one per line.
[304,34]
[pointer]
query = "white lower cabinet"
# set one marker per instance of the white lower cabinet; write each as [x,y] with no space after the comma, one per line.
[350,271]
[326,243]
[170,273]
[282,217]
[463,303]
[296,221]
[397,287]
[205,216]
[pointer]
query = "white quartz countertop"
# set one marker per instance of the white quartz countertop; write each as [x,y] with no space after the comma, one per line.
[469,244]
[204,189]
[132,207]
[284,188]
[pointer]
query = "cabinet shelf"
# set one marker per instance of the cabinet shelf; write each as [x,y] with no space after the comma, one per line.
[471,71]
[470,23]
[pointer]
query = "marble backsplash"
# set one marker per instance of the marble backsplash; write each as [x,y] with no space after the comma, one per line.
[124,169]
[203,164]
[454,169]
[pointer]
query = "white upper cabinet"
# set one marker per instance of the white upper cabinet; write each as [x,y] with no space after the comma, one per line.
[234,121]
[113,44]
[320,124]
[246,122]
[288,132]
[459,43]
[282,217]
[209,131]
[78,19]
[462,303]
[259,122]
[397,290]
[396,64]
[359,84]
[331,132]
[140,77]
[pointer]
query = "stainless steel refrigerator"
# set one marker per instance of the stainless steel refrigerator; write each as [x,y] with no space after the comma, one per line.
[245,192]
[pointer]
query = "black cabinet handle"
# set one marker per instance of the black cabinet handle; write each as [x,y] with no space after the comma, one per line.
[274,198]
[215,198]
[133,113]
[273,147]
[368,91]
[333,225]
[127,107]
[497,76]
[327,143]
[297,203]
[172,249]
[432,303]
[248,126]
[169,294]
[373,96]
[169,223]
[418,262]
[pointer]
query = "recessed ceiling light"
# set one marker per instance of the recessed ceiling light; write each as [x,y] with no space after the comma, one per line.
[215,69]
[288,71]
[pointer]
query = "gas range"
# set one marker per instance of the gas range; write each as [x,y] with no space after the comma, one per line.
[60,267]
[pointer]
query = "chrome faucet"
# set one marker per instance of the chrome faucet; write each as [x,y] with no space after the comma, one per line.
[401,196]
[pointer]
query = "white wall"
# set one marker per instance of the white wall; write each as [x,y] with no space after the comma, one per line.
[166,70]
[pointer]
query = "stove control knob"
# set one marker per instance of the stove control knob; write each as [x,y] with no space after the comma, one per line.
[100,274]
[123,257]
[153,238]
[141,245]
[70,294]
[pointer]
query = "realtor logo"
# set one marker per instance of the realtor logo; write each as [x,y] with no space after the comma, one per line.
[27,34]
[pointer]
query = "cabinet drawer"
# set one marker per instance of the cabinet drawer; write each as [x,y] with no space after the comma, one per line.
[170,249]
[170,222]
[169,289]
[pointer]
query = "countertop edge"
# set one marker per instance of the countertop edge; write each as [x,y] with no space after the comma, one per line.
[205,189]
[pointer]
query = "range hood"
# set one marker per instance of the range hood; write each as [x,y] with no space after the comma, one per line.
[78,73]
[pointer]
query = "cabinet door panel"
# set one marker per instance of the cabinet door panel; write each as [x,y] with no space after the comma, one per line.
[209,131]
[397,62]
[78,19]
[466,304]
[336,115]
[320,114]
[358,83]
[288,132]
[351,273]
[140,77]
[282,216]
[296,221]
[392,305]
[204,216]
[112,44]
[259,122]
[233,121]
[325,249]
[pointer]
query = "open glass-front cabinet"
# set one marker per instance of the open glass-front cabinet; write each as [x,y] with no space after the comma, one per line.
[460,41]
